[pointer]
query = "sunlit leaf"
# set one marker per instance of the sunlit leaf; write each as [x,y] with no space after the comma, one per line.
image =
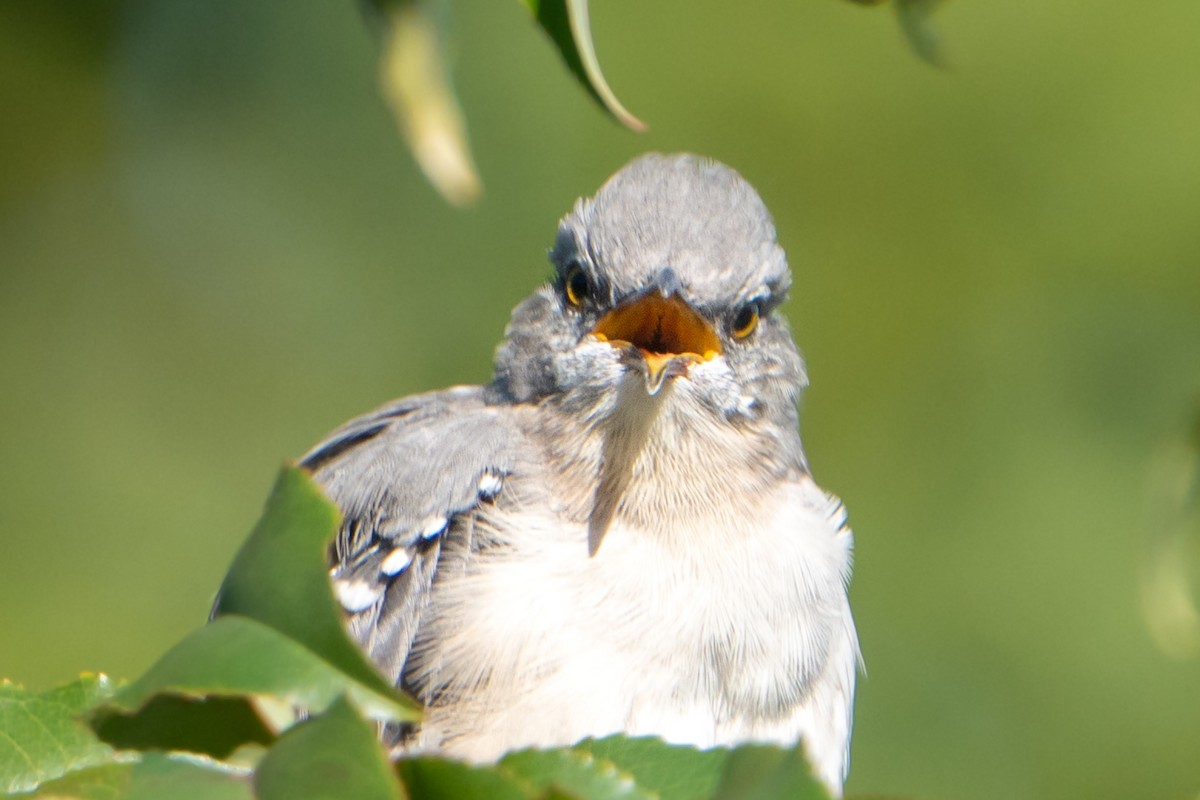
[280,578]
[107,782]
[430,778]
[155,776]
[567,23]
[1170,575]
[236,657]
[41,737]
[575,773]
[673,772]
[416,85]
[334,755]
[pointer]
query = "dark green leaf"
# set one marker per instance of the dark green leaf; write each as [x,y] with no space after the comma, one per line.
[280,578]
[335,755]
[40,735]
[674,772]
[766,772]
[575,773]
[567,23]
[215,726]
[429,778]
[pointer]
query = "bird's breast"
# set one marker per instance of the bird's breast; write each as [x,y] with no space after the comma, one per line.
[707,636]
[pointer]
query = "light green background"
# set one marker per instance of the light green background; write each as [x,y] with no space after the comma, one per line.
[214,248]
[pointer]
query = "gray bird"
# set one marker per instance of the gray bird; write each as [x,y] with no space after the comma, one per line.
[620,532]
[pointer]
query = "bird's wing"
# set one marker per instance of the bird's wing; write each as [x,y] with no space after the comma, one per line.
[402,475]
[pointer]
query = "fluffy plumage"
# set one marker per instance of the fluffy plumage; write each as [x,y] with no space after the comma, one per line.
[586,546]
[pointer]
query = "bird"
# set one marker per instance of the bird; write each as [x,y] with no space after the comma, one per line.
[620,533]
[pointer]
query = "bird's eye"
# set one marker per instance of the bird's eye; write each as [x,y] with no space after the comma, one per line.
[577,285]
[746,321]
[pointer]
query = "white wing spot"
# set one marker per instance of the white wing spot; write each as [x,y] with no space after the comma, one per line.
[432,527]
[356,595]
[489,484]
[396,561]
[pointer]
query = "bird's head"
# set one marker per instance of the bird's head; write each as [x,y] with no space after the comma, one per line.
[667,282]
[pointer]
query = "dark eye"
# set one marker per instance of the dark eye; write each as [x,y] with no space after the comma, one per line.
[577,285]
[746,321]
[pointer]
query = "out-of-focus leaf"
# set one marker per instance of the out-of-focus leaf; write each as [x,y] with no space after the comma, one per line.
[440,779]
[41,737]
[673,772]
[767,772]
[335,755]
[280,578]
[1170,575]
[240,658]
[567,23]
[914,16]
[416,85]
[574,773]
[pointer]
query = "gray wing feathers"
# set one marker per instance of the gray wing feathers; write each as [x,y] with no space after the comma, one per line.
[402,476]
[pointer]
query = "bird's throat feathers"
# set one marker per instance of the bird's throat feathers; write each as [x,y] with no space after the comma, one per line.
[664,459]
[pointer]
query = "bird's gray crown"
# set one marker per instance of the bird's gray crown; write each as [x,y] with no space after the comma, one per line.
[681,219]
[676,224]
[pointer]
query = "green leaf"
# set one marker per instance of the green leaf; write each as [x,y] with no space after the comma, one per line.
[767,772]
[107,782]
[673,772]
[154,777]
[415,81]
[41,737]
[430,778]
[1170,573]
[567,23]
[215,726]
[280,577]
[335,756]
[914,16]
[573,773]
[234,657]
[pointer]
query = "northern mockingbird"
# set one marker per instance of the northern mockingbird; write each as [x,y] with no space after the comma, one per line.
[620,532]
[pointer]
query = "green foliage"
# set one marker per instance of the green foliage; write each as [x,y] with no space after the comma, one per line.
[153,776]
[272,700]
[567,24]
[238,657]
[333,755]
[416,82]
[280,577]
[573,773]
[914,16]
[42,736]
[673,773]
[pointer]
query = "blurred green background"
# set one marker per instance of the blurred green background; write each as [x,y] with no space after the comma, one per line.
[214,248]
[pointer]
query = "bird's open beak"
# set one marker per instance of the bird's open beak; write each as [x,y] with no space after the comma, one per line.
[667,332]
